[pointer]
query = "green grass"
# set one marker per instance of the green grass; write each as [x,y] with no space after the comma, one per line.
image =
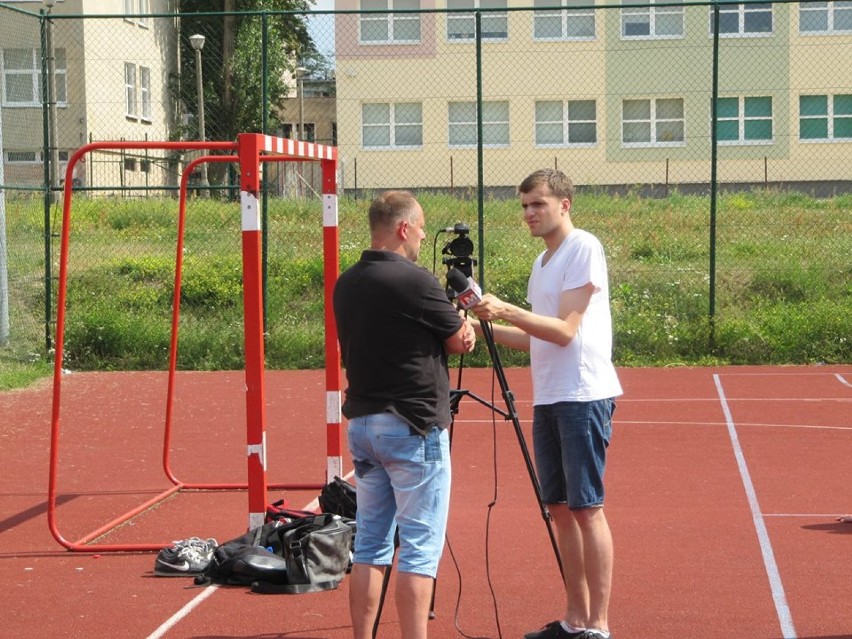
[782,279]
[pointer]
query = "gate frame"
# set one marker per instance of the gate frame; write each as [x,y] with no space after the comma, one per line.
[251,150]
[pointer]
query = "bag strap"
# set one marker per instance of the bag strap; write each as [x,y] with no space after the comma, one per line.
[268,588]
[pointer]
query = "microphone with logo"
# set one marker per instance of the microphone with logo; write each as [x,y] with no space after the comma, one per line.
[468,293]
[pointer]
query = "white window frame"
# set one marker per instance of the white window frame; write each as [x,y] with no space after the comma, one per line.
[34,73]
[742,119]
[742,12]
[568,18]
[832,11]
[654,122]
[830,116]
[130,103]
[392,125]
[135,10]
[490,20]
[145,92]
[653,16]
[488,122]
[393,22]
[565,122]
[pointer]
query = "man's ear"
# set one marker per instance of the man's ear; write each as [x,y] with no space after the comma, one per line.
[402,229]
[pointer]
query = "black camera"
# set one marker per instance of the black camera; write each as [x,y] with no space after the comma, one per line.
[457,251]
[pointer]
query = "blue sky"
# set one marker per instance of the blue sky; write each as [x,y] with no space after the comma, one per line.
[322,27]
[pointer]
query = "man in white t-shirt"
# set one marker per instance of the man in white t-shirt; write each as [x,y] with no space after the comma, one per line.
[568,332]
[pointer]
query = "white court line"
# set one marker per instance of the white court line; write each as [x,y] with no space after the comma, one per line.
[183,612]
[778,596]
[209,590]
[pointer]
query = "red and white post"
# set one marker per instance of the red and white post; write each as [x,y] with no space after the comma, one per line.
[249,145]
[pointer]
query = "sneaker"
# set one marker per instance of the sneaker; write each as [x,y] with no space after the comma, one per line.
[593,633]
[554,630]
[183,558]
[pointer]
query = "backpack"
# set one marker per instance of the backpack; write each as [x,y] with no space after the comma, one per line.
[303,555]
[339,497]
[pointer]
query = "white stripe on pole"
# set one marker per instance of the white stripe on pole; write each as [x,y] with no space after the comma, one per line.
[329,209]
[332,406]
[250,211]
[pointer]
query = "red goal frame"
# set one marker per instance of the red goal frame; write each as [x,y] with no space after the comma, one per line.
[249,151]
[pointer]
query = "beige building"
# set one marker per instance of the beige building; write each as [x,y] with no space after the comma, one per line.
[111,83]
[617,96]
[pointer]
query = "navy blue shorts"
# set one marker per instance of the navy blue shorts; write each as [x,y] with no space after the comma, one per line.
[570,441]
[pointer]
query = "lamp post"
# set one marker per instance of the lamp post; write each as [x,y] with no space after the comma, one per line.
[197,42]
[301,72]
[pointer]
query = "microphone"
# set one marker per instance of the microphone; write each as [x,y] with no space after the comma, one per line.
[467,291]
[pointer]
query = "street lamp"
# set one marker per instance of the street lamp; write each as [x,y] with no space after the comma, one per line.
[301,72]
[197,42]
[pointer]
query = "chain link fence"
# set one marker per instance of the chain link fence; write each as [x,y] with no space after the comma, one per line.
[716,235]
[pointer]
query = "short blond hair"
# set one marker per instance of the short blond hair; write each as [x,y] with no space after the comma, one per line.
[390,207]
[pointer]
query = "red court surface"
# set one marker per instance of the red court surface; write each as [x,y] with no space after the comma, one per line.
[724,486]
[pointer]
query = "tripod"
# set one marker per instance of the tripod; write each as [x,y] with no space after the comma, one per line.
[511,413]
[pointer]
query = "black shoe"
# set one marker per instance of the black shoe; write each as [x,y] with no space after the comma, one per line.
[595,634]
[554,630]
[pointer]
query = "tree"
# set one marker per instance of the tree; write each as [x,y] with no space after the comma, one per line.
[232,59]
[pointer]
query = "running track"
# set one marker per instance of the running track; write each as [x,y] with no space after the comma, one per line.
[723,490]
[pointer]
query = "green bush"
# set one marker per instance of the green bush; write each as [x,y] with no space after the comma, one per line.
[783,278]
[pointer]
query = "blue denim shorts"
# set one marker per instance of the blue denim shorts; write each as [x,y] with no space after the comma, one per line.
[570,441]
[402,480]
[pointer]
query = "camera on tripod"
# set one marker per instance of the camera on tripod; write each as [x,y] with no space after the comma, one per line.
[457,251]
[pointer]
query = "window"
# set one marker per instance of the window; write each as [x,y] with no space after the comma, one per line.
[657,21]
[652,122]
[462,26]
[135,10]
[392,126]
[825,17]
[744,120]
[291,131]
[572,123]
[384,28]
[31,157]
[145,92]
[825,117]
[744,19]
[22,78]
[567,24]
[130,90]
[462,124]
[23,157]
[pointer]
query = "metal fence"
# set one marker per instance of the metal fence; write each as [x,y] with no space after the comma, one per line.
[719,134]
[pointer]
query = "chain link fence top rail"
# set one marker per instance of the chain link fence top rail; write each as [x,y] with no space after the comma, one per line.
[716,235]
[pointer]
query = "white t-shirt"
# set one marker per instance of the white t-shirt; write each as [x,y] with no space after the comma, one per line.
[582,370]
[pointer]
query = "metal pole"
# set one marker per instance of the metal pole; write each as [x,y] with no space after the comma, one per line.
[713,176]
[480,160]
[4,277]
[197,42]
[46,126]
[300,89]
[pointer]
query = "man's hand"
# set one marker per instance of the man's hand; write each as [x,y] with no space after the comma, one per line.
[490,308]
[469,339]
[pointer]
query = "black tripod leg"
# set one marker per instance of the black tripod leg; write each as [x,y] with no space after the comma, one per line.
[488,334]
[385,582]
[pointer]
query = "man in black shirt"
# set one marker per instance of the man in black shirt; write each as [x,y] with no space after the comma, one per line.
[396,328]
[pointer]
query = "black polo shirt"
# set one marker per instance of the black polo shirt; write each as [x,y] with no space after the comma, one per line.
[392,319]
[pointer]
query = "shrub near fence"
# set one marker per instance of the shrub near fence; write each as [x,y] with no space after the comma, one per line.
[121,272]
